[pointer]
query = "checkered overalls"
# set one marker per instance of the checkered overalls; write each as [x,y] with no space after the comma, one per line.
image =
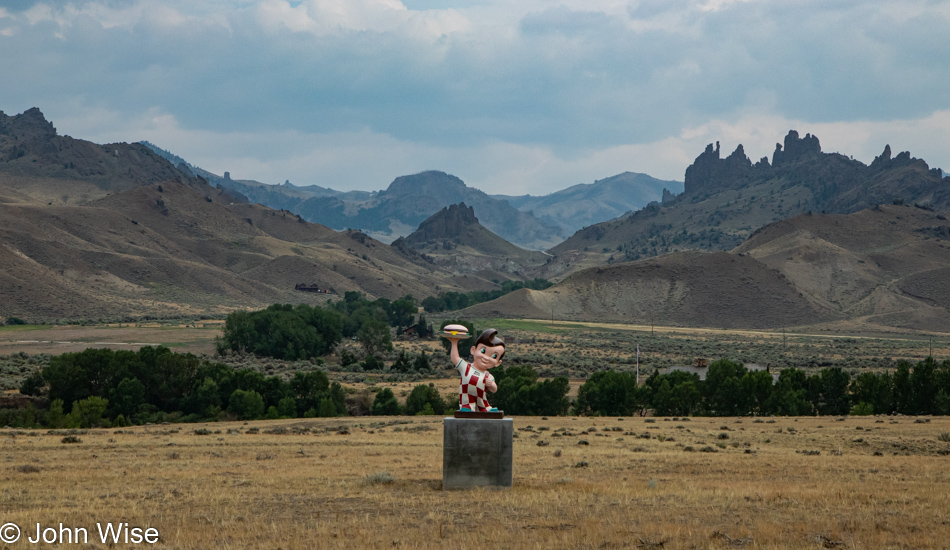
[472,387]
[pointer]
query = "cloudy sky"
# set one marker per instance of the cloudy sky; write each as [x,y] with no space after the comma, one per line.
[519,96]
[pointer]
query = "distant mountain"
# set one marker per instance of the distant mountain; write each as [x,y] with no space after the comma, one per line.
[590,203]
[394,212]
[409,200]
[38,164]
[113,231]
[454,239]
[726,199]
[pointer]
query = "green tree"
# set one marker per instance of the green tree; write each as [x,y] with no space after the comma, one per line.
[55,417]
[88,412]
[674,394]
[127,397]
[375,338]
[423,396]
[722,389]
[309,388]
[327,408]
[402,364]
[790,394]
[403,311]
[520,391]
[757,387]
[902,389]
[942,398]
[923,384]
[828,391]
[873,389]
[421,363]
[287,407]
[608,393]
[33,384]
[246,404]
[385,403]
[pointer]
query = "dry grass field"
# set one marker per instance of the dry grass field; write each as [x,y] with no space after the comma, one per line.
[197,337]
[371,482]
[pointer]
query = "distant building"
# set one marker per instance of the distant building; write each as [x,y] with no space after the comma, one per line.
[312,288]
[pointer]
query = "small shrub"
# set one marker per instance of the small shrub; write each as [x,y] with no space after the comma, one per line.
[28,469]
[379,478]
[945,437]
[202,431]
[71,439]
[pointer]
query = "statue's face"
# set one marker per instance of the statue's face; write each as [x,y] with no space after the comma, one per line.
[487,357]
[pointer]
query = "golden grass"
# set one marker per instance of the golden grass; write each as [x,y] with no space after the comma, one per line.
[195,338]
[764,487]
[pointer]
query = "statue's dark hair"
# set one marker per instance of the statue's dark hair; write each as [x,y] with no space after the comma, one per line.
[490,338]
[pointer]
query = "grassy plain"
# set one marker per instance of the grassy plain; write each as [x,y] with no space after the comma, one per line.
[553,348]
[374,482]
[197,337]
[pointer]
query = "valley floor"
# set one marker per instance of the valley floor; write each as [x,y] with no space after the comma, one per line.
[375,482]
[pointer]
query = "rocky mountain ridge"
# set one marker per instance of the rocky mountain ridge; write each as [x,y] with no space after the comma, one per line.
[454,239]
[726,199]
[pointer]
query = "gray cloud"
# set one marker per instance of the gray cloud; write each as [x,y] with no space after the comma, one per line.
[572,79]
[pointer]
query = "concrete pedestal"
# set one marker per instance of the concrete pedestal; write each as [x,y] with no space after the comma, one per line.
[477,453]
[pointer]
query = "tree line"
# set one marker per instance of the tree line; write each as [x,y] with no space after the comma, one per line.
[450,301]
[107,387]
[283,331]
[731,390]
[103,387]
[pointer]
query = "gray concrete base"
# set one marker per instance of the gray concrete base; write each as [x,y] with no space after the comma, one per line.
[477,453]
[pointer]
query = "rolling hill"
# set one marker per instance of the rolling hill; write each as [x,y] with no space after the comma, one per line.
[167,249]
[877,269]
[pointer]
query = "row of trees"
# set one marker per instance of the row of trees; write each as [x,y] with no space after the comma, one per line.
[105,387]
[154,384]
[731,390]
[297,332]
[448,301]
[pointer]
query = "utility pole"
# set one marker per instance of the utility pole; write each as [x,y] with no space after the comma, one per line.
[638,365]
